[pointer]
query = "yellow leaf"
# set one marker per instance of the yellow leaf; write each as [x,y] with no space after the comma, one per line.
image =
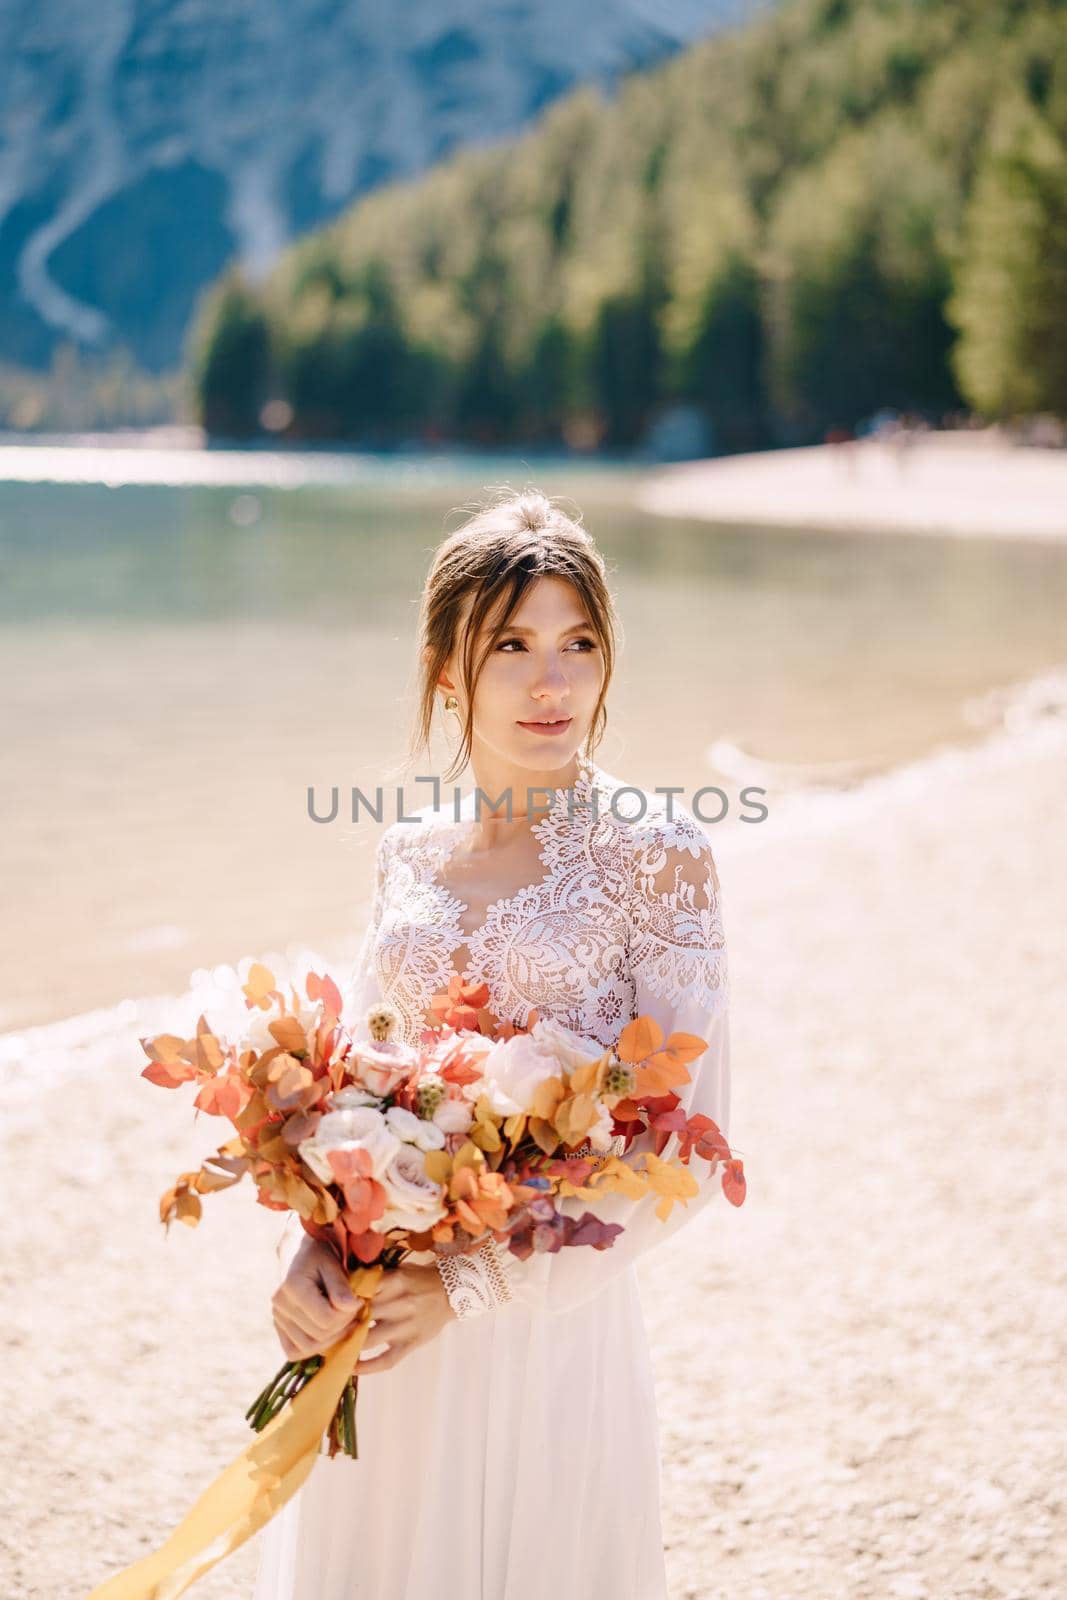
[260,984]
[619,1177]
[586,1079]
[438,1164]
[543,1135]
[546,1098]
[672,1180]
[575,1117]
[468,1155]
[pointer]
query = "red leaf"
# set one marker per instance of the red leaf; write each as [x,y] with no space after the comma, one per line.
[733,1182]
[168,1074]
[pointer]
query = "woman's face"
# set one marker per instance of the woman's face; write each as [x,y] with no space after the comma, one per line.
[547,664]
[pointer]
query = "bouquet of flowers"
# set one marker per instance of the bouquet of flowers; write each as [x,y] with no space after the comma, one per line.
[384,1150]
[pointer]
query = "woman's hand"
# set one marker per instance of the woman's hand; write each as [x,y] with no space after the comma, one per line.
[410,1308]
[314,1305]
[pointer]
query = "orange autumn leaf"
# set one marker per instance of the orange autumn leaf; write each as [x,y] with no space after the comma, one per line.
[460,1068]
[482,1198]
[224,1096]
[260,986]
[638,1040]
[168,1075]
[169,1065]
[458,1006]
[659,1074]
[324,989]
[665,1068]
[289,1083]
[181,1203]
[289,1034]
[253,1115]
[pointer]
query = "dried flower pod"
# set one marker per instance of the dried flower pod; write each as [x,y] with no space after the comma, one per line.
[382,1022]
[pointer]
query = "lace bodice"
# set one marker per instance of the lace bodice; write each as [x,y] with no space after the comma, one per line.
[624,921]
[613,897]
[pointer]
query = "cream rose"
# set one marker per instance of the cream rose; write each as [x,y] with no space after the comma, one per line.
[381,1068]
[412,1198]
[566,1046]
[453,1116]
[513,1070]
[358,1128]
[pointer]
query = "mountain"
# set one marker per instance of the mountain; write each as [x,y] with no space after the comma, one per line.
[143,146]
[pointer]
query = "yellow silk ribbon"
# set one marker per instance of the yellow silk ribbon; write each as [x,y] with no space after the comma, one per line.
[253,1488]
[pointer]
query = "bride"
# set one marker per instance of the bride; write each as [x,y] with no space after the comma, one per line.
[508,1443]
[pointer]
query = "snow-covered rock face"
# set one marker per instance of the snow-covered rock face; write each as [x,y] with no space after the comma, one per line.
[143,145]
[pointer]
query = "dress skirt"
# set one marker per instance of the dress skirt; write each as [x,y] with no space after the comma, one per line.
[513,1457]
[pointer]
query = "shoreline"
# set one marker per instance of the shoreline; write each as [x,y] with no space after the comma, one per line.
[956,485]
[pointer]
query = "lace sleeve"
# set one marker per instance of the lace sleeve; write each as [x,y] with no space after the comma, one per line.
[678,964]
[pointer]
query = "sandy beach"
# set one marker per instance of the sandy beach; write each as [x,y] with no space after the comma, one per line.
[858,1373]
[962,484]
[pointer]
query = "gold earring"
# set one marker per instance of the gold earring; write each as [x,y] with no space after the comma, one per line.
[451,703]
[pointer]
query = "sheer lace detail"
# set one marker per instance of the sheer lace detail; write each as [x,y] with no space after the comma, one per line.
[567,944]
[677,941]
[474,1283]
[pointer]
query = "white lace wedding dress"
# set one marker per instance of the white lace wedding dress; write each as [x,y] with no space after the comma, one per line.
[516,1456]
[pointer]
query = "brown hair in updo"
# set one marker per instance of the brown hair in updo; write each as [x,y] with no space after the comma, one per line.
[492,559]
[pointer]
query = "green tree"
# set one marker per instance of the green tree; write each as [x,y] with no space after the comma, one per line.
[1010,302]
[231,359]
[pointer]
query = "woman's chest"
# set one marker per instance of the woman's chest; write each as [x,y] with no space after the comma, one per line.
[558,944]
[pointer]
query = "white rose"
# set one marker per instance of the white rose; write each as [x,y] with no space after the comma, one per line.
[412,1199]
[513,1070]
[453,1116]
[359,1128]
[569,1049]
[414,1130]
